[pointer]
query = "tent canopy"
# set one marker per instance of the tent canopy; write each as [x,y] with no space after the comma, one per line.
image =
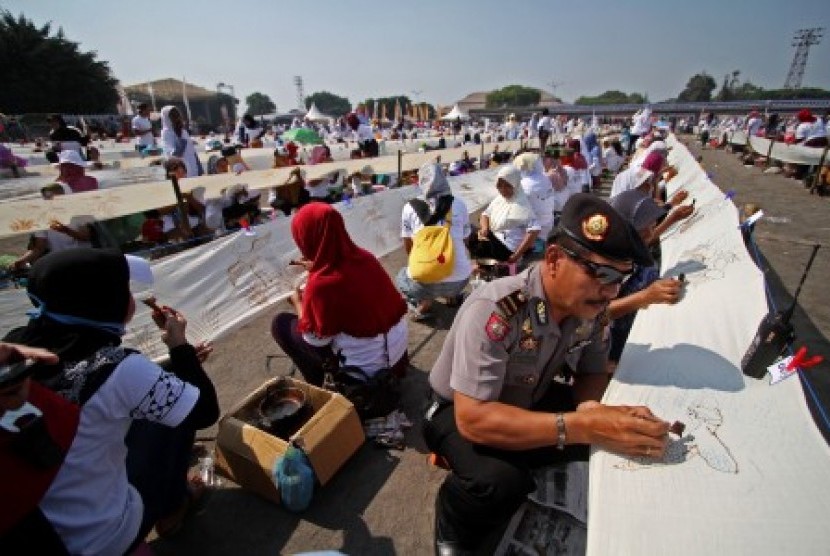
[315,115]
[456,113]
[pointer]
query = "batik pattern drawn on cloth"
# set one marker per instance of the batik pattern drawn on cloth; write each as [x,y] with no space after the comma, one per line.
[707,261]
[703,421]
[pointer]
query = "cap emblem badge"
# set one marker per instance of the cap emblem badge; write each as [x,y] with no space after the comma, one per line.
[595,227]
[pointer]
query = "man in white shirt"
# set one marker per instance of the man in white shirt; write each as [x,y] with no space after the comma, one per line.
[143,128]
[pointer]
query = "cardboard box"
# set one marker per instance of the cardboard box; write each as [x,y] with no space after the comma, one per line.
[246,454]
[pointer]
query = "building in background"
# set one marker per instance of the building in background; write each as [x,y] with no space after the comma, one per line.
[209,109]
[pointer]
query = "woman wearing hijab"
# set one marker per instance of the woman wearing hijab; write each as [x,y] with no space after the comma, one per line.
[435,204]
[509,226]
[125,469]
[349,307]
[576,167]
[176,142]
[538,190]
[593,157]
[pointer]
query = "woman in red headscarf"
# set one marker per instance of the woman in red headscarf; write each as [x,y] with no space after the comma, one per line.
[349,307]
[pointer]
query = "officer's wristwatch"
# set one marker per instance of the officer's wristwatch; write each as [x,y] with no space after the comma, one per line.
[560,431]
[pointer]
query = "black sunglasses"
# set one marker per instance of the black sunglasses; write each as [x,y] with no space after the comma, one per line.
[605,274]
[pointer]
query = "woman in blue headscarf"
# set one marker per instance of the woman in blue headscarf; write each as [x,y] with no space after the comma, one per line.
[594,157]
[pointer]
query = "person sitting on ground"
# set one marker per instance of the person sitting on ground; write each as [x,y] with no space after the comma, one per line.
[80,232]
[292,150]
[176,141]
[518,380]
[11,162]
[320,154]
[249,132]
[537,189]
[613,156]
[72,172]
[645,287]
[291,195]
[432,208]
[64,137]
[594,158]
[363,135]
[217,165]
[125,468]
[360,182]
[630,177]
[23,527]
[152,229]
[348,311]
[234,159]
[509,227]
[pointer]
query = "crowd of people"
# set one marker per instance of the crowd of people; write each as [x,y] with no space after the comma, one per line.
[517,385]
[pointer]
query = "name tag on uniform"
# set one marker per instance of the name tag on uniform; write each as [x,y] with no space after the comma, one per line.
[577,346]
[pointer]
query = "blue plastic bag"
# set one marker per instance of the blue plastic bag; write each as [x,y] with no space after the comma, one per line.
[294,477]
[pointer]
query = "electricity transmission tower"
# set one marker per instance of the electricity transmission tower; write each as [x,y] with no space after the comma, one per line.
[298,83]
[802,41]
[554,85]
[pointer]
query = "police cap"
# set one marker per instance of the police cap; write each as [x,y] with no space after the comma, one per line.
[598,227]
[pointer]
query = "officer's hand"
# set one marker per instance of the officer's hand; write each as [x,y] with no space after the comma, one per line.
[681,212]
[678,197]
[627,430]
[665,290]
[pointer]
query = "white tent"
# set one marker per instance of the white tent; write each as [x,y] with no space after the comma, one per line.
[456,113]
[315,115]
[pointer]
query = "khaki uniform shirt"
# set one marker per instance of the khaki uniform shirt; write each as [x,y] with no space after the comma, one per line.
[503,345]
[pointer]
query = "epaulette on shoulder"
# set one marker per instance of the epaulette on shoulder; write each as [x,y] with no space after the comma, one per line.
[510,304]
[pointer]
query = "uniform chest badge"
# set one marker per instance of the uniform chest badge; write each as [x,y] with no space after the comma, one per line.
[595,227]
[529,343]
[496,328]
[527,328]
[541,312]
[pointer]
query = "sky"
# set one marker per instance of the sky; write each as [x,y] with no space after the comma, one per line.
[439,51]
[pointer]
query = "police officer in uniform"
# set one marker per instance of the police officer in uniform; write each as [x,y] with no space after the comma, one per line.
[518,381]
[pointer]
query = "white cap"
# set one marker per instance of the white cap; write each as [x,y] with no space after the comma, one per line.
[510,174]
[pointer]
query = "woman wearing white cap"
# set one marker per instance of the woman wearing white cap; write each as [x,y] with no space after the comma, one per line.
[509,226]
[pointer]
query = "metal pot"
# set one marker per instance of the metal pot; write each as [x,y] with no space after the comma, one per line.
[283,410]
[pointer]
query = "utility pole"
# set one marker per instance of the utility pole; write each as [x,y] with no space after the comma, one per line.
[802,41]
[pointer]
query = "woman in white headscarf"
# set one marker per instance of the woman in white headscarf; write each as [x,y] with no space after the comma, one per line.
[508,225]
[176,142]
[538,189]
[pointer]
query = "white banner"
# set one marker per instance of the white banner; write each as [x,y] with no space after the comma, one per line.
[795,154]
[222,284]
[28,215]
[751,475]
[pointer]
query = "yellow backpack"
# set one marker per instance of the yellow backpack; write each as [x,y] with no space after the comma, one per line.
[432,256]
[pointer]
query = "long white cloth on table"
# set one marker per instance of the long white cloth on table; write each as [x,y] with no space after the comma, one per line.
[795,154]
[755,475]
[221,285]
